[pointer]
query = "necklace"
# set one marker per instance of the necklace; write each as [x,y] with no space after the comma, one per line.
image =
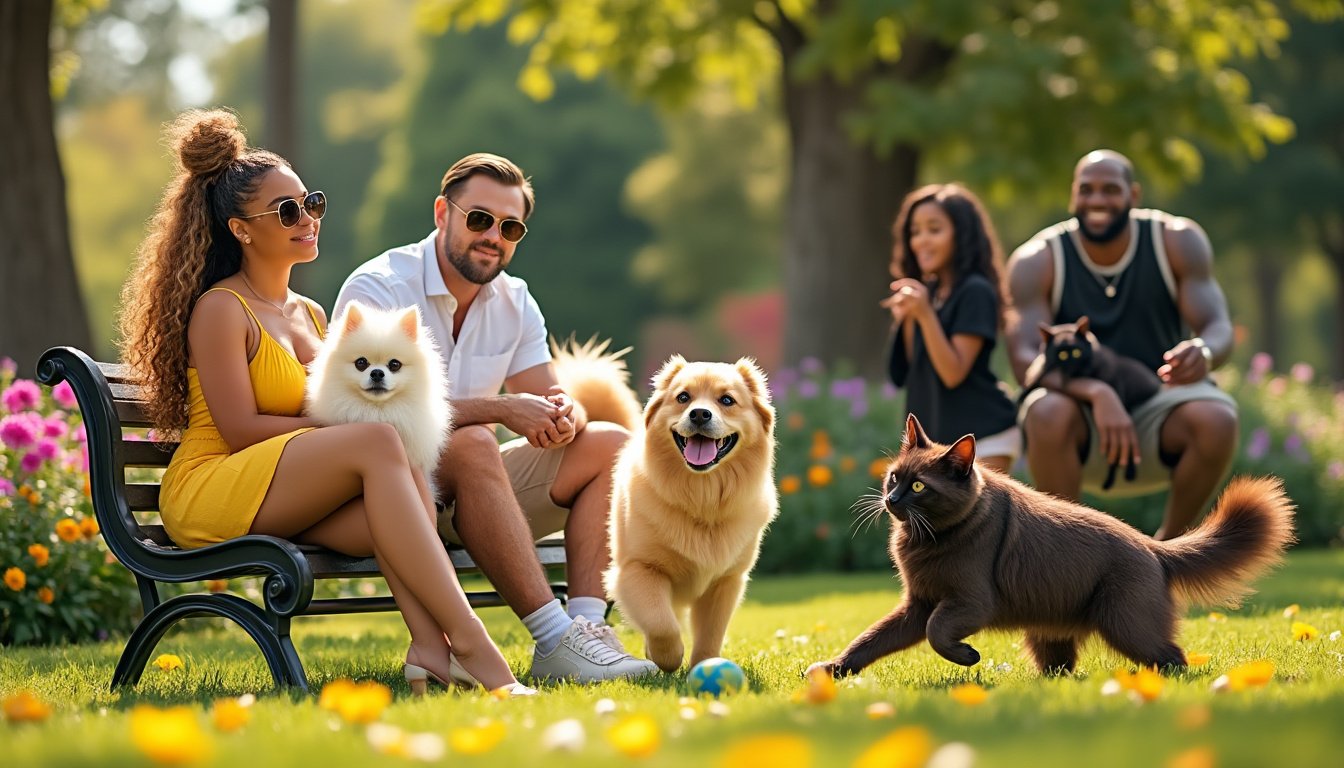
[1107,282]
[278,307]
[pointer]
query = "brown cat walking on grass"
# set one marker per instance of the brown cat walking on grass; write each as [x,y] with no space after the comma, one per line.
[978,550]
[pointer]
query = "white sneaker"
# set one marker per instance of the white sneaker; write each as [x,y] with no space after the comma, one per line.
[585,655]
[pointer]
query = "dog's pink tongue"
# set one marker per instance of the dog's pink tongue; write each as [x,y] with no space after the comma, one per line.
[700,450]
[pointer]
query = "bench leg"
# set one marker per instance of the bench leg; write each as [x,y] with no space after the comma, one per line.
[275,645]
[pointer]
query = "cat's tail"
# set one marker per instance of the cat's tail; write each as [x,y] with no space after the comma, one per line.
[599,380]
[1242,537]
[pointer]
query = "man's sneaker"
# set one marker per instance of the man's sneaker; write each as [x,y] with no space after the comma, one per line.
[608,635]
[585,656]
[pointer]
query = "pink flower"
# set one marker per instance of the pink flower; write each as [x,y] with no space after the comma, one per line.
[55,426]
[80,435]
[1260,365]
[22,395]
[18,431]
[1277,386]
[1302,373]
[63,394]
[31,462]
[1335,470]
[6,487]
[47,448]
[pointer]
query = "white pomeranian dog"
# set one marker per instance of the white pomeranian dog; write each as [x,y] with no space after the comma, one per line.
[384,366]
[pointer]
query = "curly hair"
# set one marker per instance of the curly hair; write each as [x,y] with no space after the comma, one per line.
[975,246]
[188,249]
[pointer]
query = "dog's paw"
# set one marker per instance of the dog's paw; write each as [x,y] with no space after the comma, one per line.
[962,654]
[831,668]
[666,652]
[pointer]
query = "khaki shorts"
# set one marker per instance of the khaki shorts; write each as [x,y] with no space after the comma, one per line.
[1153,475]
[531,473]
[1006,443]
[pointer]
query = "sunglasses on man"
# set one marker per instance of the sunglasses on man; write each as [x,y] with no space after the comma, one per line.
[291,210]
[480,221]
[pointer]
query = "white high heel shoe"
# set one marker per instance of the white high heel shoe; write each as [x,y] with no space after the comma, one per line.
[419,678]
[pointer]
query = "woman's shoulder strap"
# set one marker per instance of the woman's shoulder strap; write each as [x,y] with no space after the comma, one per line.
[241,300]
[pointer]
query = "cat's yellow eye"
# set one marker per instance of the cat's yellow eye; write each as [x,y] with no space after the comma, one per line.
[917,487]
[1077,353]
[1063,354]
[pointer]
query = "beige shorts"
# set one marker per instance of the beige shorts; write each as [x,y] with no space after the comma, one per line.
[531,473]
[1006,443]
[1153,475]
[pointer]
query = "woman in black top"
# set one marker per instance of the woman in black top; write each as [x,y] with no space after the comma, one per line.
[947,305]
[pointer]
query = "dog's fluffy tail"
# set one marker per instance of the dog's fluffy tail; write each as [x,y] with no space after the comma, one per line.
[1242,537]
[599,380]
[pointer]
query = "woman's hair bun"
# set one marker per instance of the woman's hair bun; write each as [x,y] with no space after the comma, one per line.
[206,141]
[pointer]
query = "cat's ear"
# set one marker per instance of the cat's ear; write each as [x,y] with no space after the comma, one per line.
[914,434]
[1047,332]
[962,455]
[1083,324]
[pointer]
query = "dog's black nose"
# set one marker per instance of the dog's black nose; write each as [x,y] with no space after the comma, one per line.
[376,374]
[700,416]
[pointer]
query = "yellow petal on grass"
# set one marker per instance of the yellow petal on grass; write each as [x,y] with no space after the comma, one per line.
[25,707]
[478,738]
[968,694]
[1194,717]
[355,702]
[170,736]
[1147,684]
[1252,674]
[820,687]
[635,736]
[1216,617]
[907,747]
[230,715]
[1195,757]
[771,750]
[168,662]
[1291,611]
[1303,631]
[1197,659]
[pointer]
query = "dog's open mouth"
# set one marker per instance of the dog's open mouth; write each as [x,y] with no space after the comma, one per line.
[702,452]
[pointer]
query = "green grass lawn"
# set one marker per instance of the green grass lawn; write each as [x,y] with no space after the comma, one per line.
[786,623]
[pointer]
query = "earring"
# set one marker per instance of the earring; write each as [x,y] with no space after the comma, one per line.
[247,239]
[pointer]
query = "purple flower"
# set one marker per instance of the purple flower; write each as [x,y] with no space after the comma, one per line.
[858,408]
[63,394]
[785,378]
[1258,445]
[22,395]
[8,366]
[6,487]
[30,462]
[811,365]
[1335,470]
[1302,373]
[1292,444]
[808,389]
[19,431]
[888,390]
[55,426]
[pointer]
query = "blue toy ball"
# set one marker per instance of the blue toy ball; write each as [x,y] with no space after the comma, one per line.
[716,677]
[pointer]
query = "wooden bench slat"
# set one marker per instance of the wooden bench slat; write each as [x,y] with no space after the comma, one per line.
[142,497]
[142,453]
[131,413]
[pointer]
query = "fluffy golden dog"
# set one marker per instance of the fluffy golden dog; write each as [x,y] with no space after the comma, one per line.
[692,495]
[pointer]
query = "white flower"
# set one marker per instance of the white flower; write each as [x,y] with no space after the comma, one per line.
[564,736]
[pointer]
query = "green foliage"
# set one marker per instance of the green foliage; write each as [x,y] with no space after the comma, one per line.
[784,624]
[60,583]
[835,434]
[578,148]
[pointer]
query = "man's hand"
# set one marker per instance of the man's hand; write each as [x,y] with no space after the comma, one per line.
[1115,429]
[1186,363]
[563,416]
[536,418]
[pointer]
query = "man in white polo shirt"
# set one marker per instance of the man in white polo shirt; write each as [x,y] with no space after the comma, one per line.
[500,499]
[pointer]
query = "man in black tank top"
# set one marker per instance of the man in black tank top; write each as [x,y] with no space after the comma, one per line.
[1145,281]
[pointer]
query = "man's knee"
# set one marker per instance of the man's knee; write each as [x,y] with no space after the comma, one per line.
[601,441]
[1054,420]
[1210,426]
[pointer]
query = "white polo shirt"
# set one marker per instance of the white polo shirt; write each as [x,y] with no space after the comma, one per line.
[502,334]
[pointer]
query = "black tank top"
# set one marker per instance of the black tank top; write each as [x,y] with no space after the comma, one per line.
[1131,305]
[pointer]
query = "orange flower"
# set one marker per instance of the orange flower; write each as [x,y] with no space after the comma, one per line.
[821,687]
[1195,757]
[908,747]
[68,530]
[794,421]
[1291,611]
[819,475]
[821,445]
[230,714]
[46,595]
[355,702]
[847,464]
[15,579]
[968,694]
[40,554]
[1196,659]
[790,484]
[217,585]
[25,490]
[878,467]
[88,526]
[1252,674]
[88,490]
[33,498]
[25,707]
[1147,684]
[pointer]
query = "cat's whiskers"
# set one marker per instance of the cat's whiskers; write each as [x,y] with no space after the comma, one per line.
[867,509]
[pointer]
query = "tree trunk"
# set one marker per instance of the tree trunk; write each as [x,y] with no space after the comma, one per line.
[843,198]
[40,301]
[1334,250]
[282,94]
[1268,279]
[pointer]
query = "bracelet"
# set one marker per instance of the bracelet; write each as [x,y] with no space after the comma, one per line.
[1204,350]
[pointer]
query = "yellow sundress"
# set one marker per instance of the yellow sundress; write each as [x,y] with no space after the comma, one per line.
[209,494]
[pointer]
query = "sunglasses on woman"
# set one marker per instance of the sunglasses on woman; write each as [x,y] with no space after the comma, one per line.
[290,210]
[479,221]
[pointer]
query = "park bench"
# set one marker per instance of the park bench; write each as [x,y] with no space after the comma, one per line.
[112,402]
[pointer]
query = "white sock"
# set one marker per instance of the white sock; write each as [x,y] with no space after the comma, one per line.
[593,609]
[547,625]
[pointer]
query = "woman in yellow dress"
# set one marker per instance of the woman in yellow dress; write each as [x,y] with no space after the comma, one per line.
[212,328]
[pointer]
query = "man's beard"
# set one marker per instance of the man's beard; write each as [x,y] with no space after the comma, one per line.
[473,272]
[1113,230]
